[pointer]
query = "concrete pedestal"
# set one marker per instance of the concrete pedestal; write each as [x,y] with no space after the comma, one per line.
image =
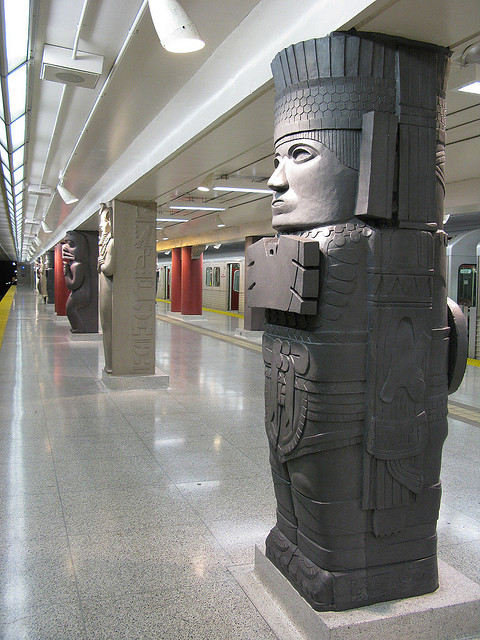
[85,337]
[451,613]
[159,380]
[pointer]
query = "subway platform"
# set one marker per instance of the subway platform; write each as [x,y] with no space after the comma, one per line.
[123,513]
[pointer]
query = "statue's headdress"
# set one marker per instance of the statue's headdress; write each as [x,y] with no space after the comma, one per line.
[370,98]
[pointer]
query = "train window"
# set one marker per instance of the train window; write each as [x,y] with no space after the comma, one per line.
[467,284]
[236,280]
[216,276]
[208,276]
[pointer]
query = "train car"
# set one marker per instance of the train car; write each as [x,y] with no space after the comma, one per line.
[463,264]
[223,278]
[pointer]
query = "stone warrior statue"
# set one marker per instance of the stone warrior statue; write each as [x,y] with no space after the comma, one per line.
[79,257]
[358,358]
[106,268]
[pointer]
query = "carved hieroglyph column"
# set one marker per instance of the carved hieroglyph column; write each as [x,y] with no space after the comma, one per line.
[133,291]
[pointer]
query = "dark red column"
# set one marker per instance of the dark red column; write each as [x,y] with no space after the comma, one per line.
[191,283]
[176,280]
[61,291]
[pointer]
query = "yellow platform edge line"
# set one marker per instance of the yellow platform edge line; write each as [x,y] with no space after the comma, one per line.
[224,313]
[473,362]
[5,306]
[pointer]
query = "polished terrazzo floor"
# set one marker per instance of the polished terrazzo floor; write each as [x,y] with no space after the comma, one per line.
[122,511]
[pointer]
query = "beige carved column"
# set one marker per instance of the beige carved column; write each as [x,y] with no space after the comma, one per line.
[133,299]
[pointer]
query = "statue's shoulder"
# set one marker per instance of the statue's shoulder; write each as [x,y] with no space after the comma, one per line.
[332,236]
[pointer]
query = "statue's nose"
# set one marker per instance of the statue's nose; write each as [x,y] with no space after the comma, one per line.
[278,179]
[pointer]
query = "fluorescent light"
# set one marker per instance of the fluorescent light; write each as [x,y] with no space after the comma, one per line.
[172,219]
[220,222]
[467,79]
[165,238]
[217,246]
[175,30]
[242,189]
[473,87]
[196,208]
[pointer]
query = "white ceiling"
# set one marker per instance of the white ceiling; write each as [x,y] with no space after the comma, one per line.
[164,121]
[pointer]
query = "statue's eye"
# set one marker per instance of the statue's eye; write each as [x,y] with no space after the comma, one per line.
[276,162]
[302,153]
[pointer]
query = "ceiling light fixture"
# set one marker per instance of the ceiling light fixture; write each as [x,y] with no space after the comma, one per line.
[39,190]
[220,223]
[207,182]
[164,238]
[467,78]
[66,195]
[45,227]
[195,208]
[217,246]
[175,30]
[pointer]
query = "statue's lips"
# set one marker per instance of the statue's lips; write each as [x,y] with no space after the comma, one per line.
[280,206]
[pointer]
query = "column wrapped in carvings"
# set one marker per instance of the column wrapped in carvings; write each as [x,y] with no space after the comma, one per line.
[106,270]
[357,345]
[79,254]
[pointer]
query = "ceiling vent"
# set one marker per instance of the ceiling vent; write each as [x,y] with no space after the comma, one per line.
[58,65]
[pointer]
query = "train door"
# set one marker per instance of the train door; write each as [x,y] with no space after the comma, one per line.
[167,283]
[466,298]
[233,285]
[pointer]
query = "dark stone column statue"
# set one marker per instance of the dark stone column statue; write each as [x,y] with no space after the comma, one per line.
[359,347]
[79,254]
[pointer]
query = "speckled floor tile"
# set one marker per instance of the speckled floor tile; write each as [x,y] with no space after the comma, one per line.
[62,620]
[25,516]
[150,558]
[34,574]
[123,473]
[216,612]
[114,511]
[103,446]
[88,426]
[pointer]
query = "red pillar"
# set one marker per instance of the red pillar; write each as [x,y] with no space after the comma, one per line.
[176,282]
[61,291]
[191,283]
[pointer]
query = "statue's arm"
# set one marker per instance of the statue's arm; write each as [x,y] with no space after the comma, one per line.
[107,264]
[75,276]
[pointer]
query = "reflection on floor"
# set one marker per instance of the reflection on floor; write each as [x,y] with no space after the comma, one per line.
[121,511]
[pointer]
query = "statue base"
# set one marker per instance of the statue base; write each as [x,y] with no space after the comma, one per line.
[84,337]
[341,590]
[451,612]
[159,380]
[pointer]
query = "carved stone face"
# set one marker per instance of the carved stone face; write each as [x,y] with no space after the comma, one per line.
[105,224]
[75,247]
[311,186]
